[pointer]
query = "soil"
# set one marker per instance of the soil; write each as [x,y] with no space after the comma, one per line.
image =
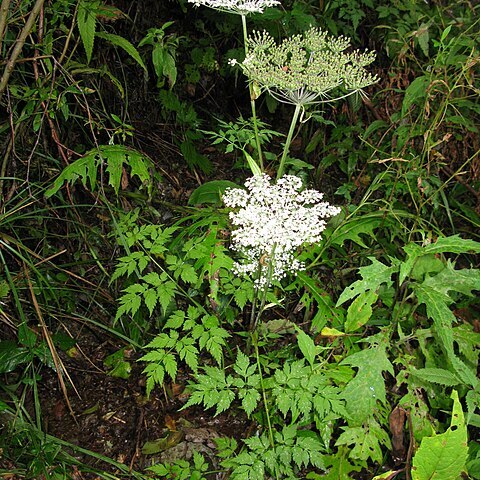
[114,418]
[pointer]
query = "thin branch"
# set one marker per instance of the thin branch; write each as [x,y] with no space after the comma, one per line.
[3,19]
[19,45]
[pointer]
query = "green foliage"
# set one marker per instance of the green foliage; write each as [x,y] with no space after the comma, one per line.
[315,383]
[164,49]
[115,157]
[183,470]
[88,12]
[444,455]
[293,450]
[368,386]
[198,334]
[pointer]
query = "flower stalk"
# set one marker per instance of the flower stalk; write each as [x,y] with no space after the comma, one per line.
[252,97]
[288,141]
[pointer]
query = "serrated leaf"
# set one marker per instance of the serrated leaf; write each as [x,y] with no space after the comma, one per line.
[153,279]
[86,22]
[373,276]
[170,365]
[307,346]
[437,375]
[353,228]
[166,293]
[190,355]
[124,44]
[84,168]
[175,320]
[240,295]
[150,298]
[339,465]
[452,244]
[449,279]
[360,311]
[283,401]
[250,401]
[188,274]
[241,364]
[368,385]
[443,456]
[114,156]
[366,441]
[437,309]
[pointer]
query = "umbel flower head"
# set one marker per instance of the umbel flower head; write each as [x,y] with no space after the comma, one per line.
[305,68]
[240,7]
[271,222]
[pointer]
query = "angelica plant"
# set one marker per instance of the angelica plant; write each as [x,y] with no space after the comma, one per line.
[271,221]
[305,69]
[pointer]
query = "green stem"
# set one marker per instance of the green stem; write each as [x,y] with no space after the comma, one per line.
[264,395]
[293,124]
[252,97]
[255,317]
[286,148]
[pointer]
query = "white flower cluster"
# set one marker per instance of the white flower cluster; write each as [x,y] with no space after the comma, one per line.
[241,7]
[271,222]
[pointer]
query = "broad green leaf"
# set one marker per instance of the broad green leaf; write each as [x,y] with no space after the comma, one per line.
[307,346]
[252,164]
[423,38]
[368,385]
[372,277]
[449,279]
[452,244]
[360,311]
[86,22]
[436,303]
[331,332]
[123,43]
[26,336]
[325,307]
[117,364]
[11,356]
[437,375]
[169,68]
[415,92]
[210,192]
[356,226]
[443,456]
